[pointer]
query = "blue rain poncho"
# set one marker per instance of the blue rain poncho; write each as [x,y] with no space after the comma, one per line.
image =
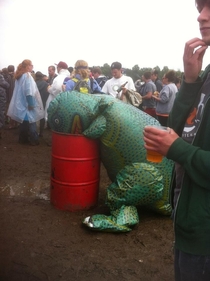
[26,90]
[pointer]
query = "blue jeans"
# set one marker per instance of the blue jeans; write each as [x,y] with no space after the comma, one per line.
[28,132]
[33,132]
[189,267]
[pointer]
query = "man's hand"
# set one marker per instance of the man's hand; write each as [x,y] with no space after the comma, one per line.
[193,58]
[159,140]
[124,91]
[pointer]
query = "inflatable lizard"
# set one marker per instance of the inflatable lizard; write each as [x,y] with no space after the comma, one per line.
[119,126]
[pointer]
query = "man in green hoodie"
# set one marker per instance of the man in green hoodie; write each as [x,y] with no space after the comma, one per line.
[188,145]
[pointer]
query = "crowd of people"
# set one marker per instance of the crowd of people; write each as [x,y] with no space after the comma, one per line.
[25,95]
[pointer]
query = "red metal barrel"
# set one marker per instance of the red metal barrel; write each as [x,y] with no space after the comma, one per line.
[75,172]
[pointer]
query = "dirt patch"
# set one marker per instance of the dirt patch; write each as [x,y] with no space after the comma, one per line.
[41,243]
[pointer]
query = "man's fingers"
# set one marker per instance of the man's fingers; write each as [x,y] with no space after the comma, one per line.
[194,45]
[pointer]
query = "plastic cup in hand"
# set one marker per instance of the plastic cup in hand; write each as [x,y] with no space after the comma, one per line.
[153,156]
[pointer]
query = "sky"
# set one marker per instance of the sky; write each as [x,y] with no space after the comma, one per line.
[133,32]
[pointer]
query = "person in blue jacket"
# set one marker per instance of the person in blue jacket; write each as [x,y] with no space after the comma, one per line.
[188,145]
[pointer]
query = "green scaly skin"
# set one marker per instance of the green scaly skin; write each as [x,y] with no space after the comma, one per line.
[119,126]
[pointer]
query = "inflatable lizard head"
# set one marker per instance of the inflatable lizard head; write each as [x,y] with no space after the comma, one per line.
[72,112]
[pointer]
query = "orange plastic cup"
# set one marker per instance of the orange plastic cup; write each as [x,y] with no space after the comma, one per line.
[153,156]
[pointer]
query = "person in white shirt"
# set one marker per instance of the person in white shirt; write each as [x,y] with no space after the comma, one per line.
[56,87]
[112,86]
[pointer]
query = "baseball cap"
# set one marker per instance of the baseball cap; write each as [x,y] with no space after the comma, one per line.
[62,65]
[116,65]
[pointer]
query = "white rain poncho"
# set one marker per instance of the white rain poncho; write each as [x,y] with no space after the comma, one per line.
[18,108]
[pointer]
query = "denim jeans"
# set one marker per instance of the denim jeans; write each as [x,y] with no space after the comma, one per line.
[41,128]
[189,267]
[33,132]
[28,132]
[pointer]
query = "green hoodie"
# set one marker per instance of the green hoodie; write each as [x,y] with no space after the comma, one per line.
[192,213]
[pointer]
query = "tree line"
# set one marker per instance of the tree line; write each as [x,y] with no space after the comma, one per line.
[136,72]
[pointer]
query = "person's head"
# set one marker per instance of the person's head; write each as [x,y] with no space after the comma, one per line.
[5,71]
[96,71]
[177,82]
[11,68]
[45,77]
[70,69]
[81,68]
[61,65]
[203,7]
[169,77]
[154,75]
[51,70]
[38,75]
[23,67]
[147,75]
[116,69]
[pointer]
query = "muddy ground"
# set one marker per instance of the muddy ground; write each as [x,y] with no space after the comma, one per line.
[39,242]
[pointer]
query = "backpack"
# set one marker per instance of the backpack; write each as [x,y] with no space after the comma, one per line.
[82,86]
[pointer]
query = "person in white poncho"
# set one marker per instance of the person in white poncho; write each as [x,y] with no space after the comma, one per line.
[26,105]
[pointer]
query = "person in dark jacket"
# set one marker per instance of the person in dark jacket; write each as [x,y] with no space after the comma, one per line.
[98,76]
[52,74]
[156,80]
[3,86]
[42,87]
[188,145]
[11,80]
